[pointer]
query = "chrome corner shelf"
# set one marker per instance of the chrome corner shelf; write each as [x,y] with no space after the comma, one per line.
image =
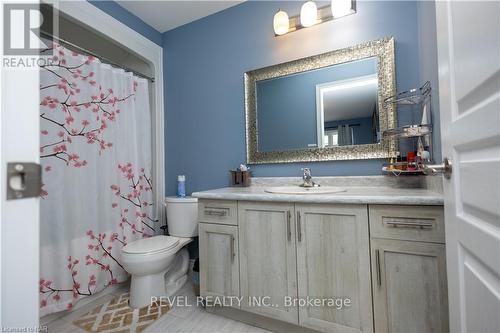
[411,101]
[411,97]
[391,169]
[410,131]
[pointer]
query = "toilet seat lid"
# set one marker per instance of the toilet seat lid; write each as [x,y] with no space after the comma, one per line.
[151,244]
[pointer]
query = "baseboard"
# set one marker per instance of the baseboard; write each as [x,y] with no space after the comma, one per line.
[253,319]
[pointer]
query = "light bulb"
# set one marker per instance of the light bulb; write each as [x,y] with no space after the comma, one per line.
[281,24]
[341,8]
[308,14]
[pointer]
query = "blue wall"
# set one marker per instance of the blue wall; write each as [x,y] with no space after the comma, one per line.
[429,65]
[129,19]
[204,96]
[362,129]
[287,105]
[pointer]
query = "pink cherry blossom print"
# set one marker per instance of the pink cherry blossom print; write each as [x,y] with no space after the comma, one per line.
[90,121]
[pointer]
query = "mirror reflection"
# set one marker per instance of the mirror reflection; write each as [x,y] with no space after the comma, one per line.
[327,107]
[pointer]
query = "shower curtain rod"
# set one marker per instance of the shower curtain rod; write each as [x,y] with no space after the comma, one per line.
[90,53]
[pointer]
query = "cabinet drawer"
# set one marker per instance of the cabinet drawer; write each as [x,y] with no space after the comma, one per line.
[413,223]
[218,211]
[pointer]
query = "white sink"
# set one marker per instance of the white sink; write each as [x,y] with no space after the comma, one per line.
[304,190]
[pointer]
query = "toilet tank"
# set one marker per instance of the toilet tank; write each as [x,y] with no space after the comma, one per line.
[182,216]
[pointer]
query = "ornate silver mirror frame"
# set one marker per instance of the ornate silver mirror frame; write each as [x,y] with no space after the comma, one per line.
[383,49]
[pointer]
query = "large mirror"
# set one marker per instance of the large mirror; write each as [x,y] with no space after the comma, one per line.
[325,107]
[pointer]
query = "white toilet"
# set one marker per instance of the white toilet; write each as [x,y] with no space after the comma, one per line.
[159,264]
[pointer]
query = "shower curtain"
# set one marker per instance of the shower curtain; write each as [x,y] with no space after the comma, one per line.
[344,135]
[96,154]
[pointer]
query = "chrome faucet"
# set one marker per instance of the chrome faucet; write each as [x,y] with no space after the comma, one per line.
[307,178]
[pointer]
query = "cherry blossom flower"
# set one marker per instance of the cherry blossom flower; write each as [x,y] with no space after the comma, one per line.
[69,120]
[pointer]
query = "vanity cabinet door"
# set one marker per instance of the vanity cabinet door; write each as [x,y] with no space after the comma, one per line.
[219,267]
[267,258]
[409,286]
[333,260]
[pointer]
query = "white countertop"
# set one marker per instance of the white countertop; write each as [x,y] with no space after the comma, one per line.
[352,195]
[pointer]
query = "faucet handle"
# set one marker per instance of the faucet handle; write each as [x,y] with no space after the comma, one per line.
[307,172]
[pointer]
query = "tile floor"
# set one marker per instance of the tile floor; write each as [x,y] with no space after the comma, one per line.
[179,319]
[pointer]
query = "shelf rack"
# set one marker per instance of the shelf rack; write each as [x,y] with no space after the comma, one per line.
[420,97]
[411,97]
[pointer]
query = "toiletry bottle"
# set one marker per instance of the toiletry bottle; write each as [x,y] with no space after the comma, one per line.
[391,163]
[404,163]
[181,186]
[411,161]
[426,155]
[420,147]
[397,164]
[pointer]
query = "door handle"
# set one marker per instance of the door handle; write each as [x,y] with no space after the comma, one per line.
[233,252]
[299,227]
[216,212]
[377,267]
[417,223]
[24,180]
[445,168]
[288,229]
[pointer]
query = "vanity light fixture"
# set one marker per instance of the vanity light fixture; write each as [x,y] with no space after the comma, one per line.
[308,14]
[311,15]
[341,8]
[281,23]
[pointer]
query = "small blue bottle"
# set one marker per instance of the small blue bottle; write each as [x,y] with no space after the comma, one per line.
[181,186]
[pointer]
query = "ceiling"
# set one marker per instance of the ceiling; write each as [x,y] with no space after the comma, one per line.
[167,15]
[350,103]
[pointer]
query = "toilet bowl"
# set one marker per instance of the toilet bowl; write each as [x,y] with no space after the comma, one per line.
[159,264]
[147,260]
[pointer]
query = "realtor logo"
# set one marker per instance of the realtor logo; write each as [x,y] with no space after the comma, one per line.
[23,23]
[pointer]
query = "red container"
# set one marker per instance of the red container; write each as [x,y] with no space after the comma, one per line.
[411,160]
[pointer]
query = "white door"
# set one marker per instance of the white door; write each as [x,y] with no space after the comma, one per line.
[19,249]
[469,85]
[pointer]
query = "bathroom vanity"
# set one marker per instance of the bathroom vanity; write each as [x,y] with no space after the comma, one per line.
[378,244]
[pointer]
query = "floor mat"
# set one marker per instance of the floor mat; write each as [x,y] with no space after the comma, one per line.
[117,317]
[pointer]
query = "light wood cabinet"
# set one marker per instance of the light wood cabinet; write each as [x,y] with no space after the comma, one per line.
[219,260]
[268,258]
[333,261]
[412,223]
[409,286]
[388,261]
